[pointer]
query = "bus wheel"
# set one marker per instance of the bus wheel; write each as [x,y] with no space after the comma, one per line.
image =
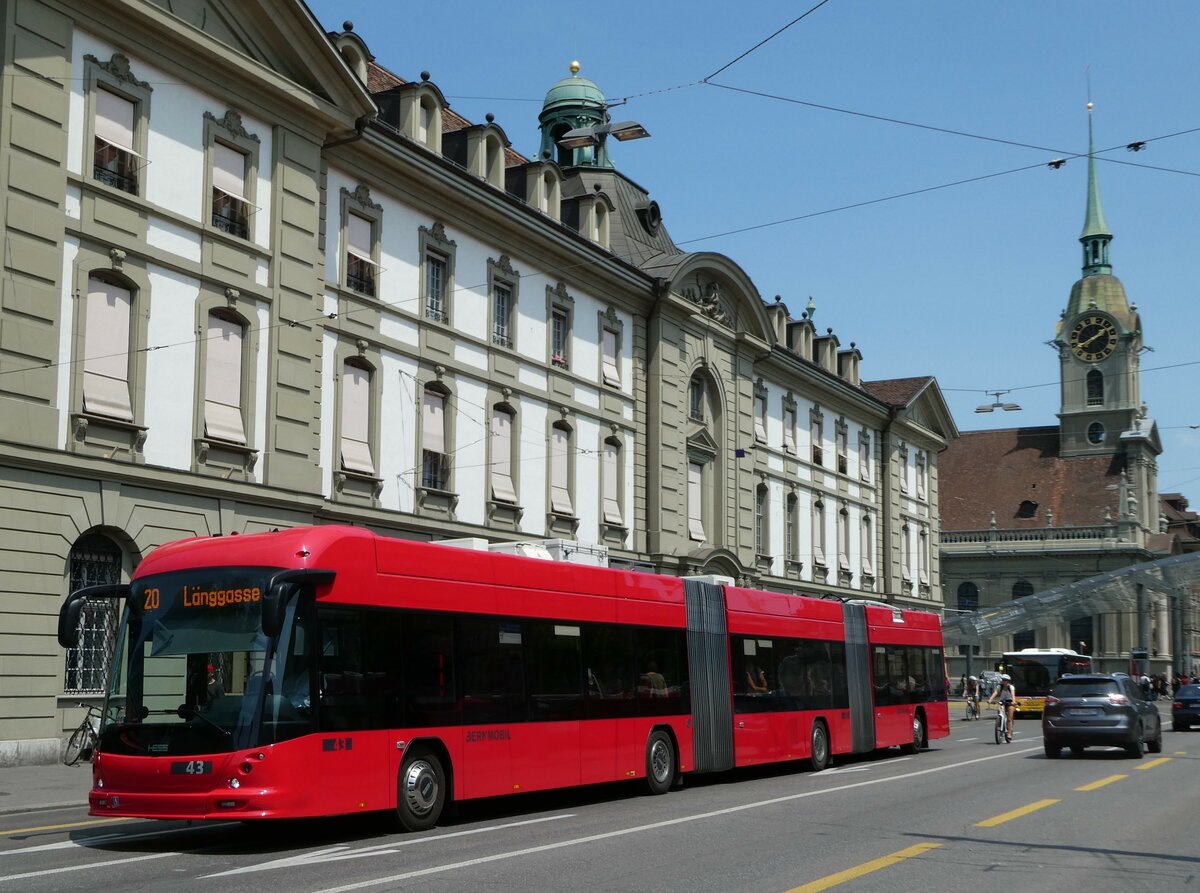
[660,763]
[422,792]
[918,728]
[819,757]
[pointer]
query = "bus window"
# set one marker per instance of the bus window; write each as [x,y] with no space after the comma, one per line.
[554,670]
[608,661]
[658,655]
[427,657]
[492,678]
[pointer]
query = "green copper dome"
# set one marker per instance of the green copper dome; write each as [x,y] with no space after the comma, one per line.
[573,91]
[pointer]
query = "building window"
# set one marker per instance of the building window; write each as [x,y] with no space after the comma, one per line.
[923,558]
[503,489]
[790,522]
[106,350]
[818,533]
[1095,433]
[115,162]
[817,432]
[843,539]
[1027,509]
[612,489]
[968,597]
[1095,388]
[94,560]
[437,273]
[360,251]
[230,206]
[1022,588]
[903,468]
[922,476]
[560,471]
[843,449]
[550,192]
[559,309]
[789,428]
[224,358]
[696,399]
[435,461]
[760,419]
[356,418]
[761,507]
[864,456]
[610,353]
[502,304]
[429,123]
[867,548]
[906,556]
[695,499]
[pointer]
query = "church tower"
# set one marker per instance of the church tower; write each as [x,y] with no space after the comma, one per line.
[1099,342]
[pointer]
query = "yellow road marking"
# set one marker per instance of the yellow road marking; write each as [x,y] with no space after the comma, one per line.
[1154,763]
[1181,753]
[1101,783]
[1015,814]
[866,868]
[9,832]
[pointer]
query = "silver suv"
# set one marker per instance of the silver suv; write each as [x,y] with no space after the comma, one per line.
[1100,710]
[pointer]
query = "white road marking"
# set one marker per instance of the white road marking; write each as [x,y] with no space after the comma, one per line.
[343,851]
[682,820]
[86,866]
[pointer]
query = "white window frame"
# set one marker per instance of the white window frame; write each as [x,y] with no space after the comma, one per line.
[107,323]
[611,492]
[695,500]
[503,421]
[355,426]
[224,364]
[561,502]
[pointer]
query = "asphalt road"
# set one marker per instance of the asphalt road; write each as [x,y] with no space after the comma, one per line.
[964,815]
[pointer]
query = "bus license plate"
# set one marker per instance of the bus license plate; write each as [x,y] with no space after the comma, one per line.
[1084,711]
[192,767]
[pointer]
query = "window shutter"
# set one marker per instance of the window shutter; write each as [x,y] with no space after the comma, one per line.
[358,236]
[114,119]
[502,482]
[789,430]
[560,494]
[223,380]
[612,375]
[106,351]
[356,419]
[229,171]
[695,501]
[612,502]
[433,421]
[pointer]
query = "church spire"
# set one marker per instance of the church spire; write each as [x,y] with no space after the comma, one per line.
[1096,236]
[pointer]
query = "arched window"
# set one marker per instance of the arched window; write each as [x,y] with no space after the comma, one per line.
[968,596]
[1095,388]
[94,560]
[1022,588]
[1095,433]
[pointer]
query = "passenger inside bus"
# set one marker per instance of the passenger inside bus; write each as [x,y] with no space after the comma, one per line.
[756,679]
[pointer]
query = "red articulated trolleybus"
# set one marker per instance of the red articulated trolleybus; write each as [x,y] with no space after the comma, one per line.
[327,670]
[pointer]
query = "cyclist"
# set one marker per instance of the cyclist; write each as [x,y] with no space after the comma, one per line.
[1007,695]
[971,692]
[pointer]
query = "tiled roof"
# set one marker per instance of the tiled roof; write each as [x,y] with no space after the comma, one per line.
[896,391]
[986,471]
[380,79]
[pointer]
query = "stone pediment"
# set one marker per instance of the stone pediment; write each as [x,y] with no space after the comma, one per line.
[279,35]
[702,442]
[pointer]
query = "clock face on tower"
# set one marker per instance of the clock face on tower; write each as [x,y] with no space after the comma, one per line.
[1094,338]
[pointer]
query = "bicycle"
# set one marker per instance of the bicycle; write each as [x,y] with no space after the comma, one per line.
[84,738]
[1002,733]
[972,708]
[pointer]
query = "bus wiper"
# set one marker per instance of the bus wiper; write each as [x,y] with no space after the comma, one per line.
[189,711]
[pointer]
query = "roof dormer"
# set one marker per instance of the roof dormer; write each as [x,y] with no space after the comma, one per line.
[592,216]
[826,351]
[353,50]
[777,313]
[800,336]
[849,363]
[480,149]
[415,109]
[540,184]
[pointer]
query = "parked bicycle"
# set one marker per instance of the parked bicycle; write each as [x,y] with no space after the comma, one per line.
[84,739]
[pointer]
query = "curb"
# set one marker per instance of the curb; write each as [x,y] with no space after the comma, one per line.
[41,807]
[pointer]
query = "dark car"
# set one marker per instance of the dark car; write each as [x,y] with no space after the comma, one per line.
[1097,711]
[1186,709]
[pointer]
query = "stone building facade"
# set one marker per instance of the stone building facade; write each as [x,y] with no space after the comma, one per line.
[256,280]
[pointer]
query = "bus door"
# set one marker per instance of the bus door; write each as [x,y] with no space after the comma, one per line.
[759,733]
[491,683]
[352,687]
[893,707]
[546,750]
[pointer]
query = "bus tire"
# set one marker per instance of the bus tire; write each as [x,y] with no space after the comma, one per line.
[660,762]
[918,727]
[421,791]
[819,751]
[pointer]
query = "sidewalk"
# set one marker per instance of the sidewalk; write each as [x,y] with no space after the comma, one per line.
[28,788]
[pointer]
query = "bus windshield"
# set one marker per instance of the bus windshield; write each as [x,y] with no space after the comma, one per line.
[193,670]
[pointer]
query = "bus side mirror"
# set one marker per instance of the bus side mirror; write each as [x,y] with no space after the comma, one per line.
[274,608]
[68,621]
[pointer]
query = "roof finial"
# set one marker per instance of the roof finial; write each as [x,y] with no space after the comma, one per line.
[575,66]
[1096,235]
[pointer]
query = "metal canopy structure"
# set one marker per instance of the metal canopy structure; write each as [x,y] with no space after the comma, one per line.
[1112,592]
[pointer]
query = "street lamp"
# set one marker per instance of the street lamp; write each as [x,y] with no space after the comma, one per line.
[997,404]
[581,137]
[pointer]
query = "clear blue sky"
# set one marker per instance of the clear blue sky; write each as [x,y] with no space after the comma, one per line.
[965,283]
